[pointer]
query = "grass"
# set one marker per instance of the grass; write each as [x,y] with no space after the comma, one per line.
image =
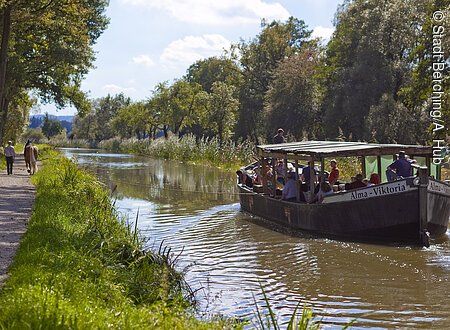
[79,267]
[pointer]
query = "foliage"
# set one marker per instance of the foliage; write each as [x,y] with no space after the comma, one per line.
[51,127]
[79,267]
[222,110]
[369,56]
[33,134]
[47,48]
[258,59]
[293,98]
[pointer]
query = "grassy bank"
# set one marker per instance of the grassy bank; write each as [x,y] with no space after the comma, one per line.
[79,267]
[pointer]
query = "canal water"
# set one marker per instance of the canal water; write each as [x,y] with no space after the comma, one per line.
[227,256]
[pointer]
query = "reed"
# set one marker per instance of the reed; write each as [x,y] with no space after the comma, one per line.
[208,151]
[79,266]
[267,318]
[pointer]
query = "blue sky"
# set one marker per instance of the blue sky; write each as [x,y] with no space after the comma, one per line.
[150,41]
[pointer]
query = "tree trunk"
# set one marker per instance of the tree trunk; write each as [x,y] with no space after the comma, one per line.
[6,28]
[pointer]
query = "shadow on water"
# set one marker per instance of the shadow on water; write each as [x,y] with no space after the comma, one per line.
[227,253]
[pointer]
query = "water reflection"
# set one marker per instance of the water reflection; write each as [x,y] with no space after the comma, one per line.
[196,209]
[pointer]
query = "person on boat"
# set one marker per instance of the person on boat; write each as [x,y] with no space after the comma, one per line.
[280,171]
[306,176]
[289,192]
[374,179]
[399,169]
[358,183]
[334,173]
[244,178]
[325,190]
[279,138]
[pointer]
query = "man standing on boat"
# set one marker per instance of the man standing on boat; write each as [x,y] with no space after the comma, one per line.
[334,173]
[279,138]
[400,168]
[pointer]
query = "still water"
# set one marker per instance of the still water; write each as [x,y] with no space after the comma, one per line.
[195,211]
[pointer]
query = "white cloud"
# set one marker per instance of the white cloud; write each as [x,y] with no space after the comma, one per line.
[322,32]
[217,11]
[192,48]
[114,89]
[144,60]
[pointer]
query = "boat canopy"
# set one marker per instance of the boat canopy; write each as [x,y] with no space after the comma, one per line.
[316,150]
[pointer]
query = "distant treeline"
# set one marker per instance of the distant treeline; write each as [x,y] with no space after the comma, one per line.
[380,78]
[371,82]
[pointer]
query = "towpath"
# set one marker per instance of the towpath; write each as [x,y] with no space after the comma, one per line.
[17,196]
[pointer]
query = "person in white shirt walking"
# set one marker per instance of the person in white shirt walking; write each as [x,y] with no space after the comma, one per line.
[10,155]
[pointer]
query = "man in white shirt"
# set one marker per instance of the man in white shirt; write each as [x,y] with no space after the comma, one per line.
[10,155]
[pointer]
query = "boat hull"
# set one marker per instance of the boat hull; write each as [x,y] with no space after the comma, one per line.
[392,218]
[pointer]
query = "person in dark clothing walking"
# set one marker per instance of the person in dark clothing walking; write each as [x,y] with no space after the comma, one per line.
[10,155]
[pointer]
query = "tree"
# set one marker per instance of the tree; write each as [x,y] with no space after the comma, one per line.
[105,109]
[178,105]
[134,120]
[258,59]
[368,57]
[46,47]
[222,110]
[208,71]
[51,127]
[293,98]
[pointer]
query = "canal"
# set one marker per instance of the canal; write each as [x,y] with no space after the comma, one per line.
[195,211]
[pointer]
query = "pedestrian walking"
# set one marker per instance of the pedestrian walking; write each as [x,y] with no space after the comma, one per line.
[10,155]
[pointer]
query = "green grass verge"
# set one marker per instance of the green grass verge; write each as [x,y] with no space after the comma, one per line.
[79,267]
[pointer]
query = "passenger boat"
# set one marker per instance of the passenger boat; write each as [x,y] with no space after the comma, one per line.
[406,211]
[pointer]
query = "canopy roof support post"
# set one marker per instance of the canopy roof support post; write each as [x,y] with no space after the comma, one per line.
[363,166]
[264,175]
[423,206]
[322,169]
[298,182]
[312,179]
[274,178]
[379,167]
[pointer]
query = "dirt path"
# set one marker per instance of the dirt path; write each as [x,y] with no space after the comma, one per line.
[16,200]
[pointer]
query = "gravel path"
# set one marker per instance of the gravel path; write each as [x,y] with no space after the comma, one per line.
[16,200]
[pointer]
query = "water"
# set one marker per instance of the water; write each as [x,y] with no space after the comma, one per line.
[195,211]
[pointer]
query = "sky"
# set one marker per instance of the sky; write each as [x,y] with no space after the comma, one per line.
[151,41]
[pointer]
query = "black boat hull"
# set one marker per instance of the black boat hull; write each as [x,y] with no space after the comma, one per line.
[393,218]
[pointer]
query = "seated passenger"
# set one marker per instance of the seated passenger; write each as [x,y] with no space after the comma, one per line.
[290,189]
[325,190]
[355,184]
[280,170]
[399,169]
[374,179]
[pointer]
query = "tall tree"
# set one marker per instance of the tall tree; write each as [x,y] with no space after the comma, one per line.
[51,127]
[222,110]
[46,47]
[258,59]
[369,56]
[293,98]
[105,109]
[208,71]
